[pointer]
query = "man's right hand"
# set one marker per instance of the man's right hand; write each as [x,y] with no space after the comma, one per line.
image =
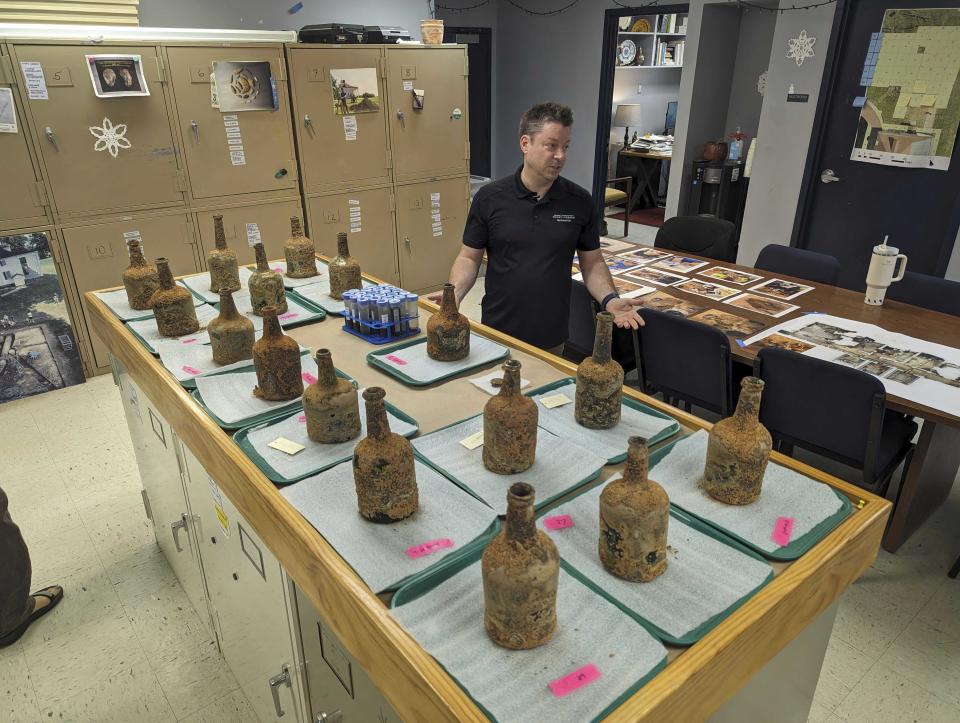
[436,297]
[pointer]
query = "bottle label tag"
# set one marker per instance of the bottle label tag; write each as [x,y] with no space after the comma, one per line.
[395,359]
[191,340]
[278,269]
[191,370]
[428,548]
[558,522]
[782,531]
[555,400]
[286,445]
[289,315]
[473,441]
[572,681]
[309,378]
[302,419]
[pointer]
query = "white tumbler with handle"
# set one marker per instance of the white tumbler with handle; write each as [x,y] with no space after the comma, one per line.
[881,274]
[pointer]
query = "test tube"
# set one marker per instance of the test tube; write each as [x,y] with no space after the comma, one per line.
[396,312]
[364,315]
[412,311]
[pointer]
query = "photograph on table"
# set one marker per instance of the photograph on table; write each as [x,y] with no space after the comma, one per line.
[612,246]
[730,276]
[629,289]
[898,375]
[731,324]
[243,86]
[848,360]
[644,255]
[781,288]
[779,341]
[875,368]
[653,276]
[761,305]
[707,290]
[355,90]
[669,304]
[618,265]
[680,264]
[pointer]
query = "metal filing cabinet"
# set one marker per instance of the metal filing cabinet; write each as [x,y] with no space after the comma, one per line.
[86,181]
[372,240]
[272,219]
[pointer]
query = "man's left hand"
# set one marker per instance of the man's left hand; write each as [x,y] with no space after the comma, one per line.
[625,313]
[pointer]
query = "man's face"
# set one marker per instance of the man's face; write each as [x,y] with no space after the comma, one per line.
[545,152]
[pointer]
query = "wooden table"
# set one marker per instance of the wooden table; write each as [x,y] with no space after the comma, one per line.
[644,188]
[937,459]
[696,681]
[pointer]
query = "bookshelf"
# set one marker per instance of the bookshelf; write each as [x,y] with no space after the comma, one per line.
[661,46]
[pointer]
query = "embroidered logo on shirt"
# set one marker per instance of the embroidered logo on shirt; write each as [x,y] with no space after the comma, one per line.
[564,217]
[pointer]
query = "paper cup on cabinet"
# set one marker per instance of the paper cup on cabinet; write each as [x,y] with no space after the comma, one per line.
[431,32]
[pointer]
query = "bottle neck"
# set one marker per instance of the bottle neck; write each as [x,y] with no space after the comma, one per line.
[296,229]
[271,326]
[220,236]
[166,276]
[748,406]
[326,374]
[343,248]
[603,338]
[448,303]
[136,255]
[261,257]
[510,386]
[228,309]
[520,522]
[377,425]
[638,463]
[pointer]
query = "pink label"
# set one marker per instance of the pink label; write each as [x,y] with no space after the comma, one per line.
[191,370]
[782,531]
[428,548]
[395,359]
[278,269]
[558,522]
[577,679]
[290,315]
[302,418]
[188,341]
[309,378]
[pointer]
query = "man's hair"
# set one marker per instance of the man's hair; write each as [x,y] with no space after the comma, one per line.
[532,120]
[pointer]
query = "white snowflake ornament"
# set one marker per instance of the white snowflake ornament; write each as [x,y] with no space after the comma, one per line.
[110,137]
[762,82]
[800,47]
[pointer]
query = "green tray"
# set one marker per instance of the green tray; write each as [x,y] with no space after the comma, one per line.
[317,313]
[795,549]
[626,401]
[143,341]
[374,360]
[241,438]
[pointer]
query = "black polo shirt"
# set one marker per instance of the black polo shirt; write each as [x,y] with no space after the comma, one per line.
[530,245]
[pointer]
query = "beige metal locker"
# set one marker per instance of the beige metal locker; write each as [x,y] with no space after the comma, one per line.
[218,165]
[367,217]
[101,154]
[329,160]
[23,199]
[272,221]
[432,141]
[98,254]
[430,220]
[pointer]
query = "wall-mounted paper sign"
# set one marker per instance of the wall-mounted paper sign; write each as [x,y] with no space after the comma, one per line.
[243,85]
[355,90]
[117,76]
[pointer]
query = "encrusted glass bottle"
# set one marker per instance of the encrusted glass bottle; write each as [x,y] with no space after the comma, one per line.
[231,335]
[599,381]
[738,450]
[634,516]
[222,261]
[448,331]
[299,252]
[276,358]
[173,305]
[266,285]
[383,469]
[140,279]
[521,570]
[344,269]
[330,404]
[509,426]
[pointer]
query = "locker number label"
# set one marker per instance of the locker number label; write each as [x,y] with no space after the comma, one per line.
[199,74]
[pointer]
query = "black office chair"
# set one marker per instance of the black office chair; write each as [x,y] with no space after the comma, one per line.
[707,236]
[834,411]
[930,292]
[804,264]
[581,331]
[685,361]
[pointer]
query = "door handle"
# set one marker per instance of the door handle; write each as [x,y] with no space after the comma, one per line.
[175,528]
[334,717]
[275,682]
[307,122]
[195,127]
[48,131]
[828,176]
[406,240]
[402,118]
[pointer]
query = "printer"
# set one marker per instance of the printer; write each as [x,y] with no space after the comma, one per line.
[385,33]
[332,33]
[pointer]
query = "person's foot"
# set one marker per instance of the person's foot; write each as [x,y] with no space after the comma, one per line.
[44,600]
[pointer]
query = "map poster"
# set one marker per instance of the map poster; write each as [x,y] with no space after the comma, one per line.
[910,110]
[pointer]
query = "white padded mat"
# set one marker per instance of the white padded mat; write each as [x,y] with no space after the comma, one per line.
[703,577]
[295,312]
[608,442]
[378,551]
[118,304]
[319,293]
[147,329]
[785,494]
[281,268]
[512,684]
[559,465]
[200,284]
[186,361]
[415,363]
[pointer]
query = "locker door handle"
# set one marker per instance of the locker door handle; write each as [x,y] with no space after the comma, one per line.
[48,131]
[307,121]
[335,717]
[195,127]
[275,683]
[402,118]
[175,528]
[406,240]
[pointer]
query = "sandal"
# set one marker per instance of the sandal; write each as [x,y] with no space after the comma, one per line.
[54,598]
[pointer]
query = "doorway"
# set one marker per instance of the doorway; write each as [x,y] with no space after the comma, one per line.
[479,42]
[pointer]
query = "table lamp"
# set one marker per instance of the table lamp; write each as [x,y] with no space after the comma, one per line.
[627,115]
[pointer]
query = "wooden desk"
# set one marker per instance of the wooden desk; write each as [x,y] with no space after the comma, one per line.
[937,459]
[697,680]
[647,167]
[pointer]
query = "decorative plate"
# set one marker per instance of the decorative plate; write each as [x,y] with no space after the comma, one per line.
[624,22]
[641,26]
[627,52]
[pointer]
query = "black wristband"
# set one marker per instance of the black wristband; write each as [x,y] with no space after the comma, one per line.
[607,299]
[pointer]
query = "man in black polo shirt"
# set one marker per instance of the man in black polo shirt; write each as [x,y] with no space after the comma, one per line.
[530,225]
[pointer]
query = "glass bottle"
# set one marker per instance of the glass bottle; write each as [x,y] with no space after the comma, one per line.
[266,285]
[222,261]
[448,331]
[276,357]
[299,252]
[634,515]
[521,570]
[231,335]
[599,381]
[173,305]
[738,450]
[383,468]
[140,279]
[509,426]
[330,404]
[344,269]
